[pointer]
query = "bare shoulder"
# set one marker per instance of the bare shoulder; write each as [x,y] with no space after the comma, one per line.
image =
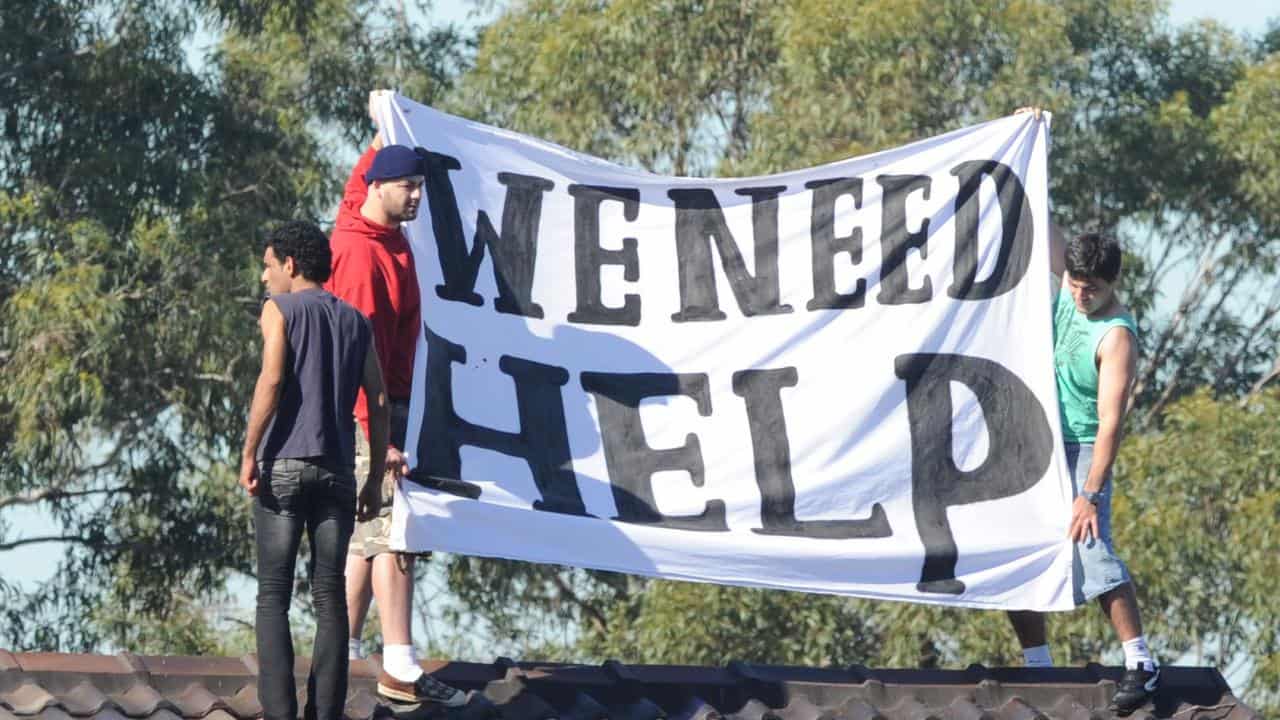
[1118,336]
[271,317]
[1118,344]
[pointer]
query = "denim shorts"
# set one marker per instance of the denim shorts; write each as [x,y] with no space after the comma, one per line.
[1096,569]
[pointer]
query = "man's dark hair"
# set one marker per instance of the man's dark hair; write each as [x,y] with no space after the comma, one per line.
[306,244]
[1093,255]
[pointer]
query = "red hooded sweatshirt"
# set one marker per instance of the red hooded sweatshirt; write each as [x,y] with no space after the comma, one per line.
[373,270]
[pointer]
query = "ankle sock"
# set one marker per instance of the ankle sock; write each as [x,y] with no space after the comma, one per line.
[1037,656]
[354,649]
[1137,656]
[400,663]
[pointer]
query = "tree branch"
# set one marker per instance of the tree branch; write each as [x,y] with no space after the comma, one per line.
[244,624]
[1157,270]
[598,620]
[1262,381]
[1172,383]
[42,539]
[56,59]
[1269,312]
[1190,298]
[54,493]
[247,189]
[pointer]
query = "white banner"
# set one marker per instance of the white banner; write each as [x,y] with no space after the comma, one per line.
[833,380]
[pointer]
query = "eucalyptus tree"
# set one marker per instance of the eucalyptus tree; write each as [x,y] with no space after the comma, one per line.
[146,145]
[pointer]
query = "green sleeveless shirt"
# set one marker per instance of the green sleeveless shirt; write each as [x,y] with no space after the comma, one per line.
[1075,352]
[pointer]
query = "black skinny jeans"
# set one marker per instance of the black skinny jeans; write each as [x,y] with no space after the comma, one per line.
[293,496]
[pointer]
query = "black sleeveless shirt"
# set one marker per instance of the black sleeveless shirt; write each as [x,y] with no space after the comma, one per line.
[328,340]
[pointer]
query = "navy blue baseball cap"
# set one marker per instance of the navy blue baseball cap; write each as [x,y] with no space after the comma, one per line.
[394,161]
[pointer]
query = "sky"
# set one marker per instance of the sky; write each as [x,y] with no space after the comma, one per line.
[34,563]
[1249,16]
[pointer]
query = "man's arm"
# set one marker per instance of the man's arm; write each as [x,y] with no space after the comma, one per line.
[377,142]
[370,500]
[357,190]
[266,393]
[1117,366]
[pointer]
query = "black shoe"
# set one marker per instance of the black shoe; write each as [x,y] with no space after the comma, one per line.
[1136,688]
[424,689]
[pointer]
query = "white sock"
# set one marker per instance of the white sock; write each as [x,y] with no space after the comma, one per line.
[400,663]
[1137,656]
[1037,656]
[354,649]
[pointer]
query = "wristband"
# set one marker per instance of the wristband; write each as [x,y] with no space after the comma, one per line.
[1093,498]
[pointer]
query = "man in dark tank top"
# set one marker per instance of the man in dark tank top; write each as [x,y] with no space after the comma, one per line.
[298,462]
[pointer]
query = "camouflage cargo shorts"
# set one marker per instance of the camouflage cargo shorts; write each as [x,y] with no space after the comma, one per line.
[372,537]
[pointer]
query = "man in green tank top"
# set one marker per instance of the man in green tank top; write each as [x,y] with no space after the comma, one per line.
[1095,353]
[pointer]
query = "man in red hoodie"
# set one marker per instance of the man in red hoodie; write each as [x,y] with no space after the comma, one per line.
[373,270]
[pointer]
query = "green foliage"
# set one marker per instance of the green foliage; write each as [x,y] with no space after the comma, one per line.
[208,626]
[537,610]
[1205,491]
[1245,130]
[134,188]
[853,81]
[676,622]
[591,76]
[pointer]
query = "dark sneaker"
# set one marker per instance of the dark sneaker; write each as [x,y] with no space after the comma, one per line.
[424,689]
[1136,688]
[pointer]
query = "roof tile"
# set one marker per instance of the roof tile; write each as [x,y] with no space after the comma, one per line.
[858,709]
[584,707]
[54,713]
[1068,709]
[752,710]
[28,698]
[1016,709]
[360,702]
[964,708]
[526,706]
[195,700]
[83,699]
[73,687]
[694,708]
[141,700]
[244,703]
[911,708]
[478,707]
[638,709]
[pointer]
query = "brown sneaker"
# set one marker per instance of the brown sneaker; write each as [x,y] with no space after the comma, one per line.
[424,689]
